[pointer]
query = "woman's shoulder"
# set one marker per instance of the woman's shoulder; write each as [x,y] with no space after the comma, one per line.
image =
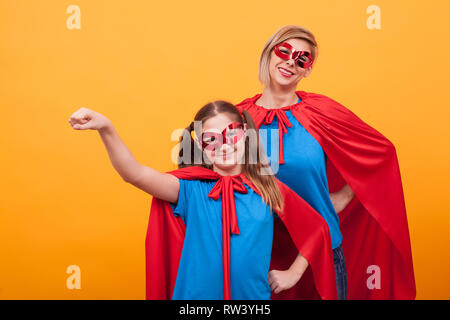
[323,104]
[334,113]
[248,102]
[317,98]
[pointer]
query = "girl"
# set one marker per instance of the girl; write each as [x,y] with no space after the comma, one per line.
[326,145]
[214,239]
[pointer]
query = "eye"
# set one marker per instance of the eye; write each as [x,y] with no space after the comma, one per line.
[304,57]
[209,139]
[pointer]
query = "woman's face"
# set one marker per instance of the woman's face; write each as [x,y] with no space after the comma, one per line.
[287,72]
[226,155]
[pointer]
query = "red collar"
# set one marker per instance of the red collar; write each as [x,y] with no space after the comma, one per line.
[283,121]
[302,94]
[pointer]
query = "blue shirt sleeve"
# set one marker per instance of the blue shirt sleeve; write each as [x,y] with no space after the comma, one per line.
[179,208]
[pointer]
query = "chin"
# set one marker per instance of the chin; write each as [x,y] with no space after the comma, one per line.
[229,164]
[284,82]
[226,166]
[280,81]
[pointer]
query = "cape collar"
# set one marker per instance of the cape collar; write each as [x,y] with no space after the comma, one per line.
[280,113]
[302,94]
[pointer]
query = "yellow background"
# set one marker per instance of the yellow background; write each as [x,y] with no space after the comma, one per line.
[149,66]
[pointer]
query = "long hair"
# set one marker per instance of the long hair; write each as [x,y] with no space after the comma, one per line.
[256,166]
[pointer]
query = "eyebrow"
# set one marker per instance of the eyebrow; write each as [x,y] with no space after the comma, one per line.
[303,50]
[307,50]
[211,130]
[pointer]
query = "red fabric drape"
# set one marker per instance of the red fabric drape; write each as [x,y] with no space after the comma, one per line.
[374,224]
[300,229]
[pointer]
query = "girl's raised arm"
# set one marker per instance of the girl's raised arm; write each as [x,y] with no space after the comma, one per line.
[161,185]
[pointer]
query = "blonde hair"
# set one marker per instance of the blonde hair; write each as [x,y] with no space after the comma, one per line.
[283,34]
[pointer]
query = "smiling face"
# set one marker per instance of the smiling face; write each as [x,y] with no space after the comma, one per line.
[286,73]
[225,156]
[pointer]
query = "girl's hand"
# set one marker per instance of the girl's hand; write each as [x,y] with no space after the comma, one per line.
[85,118]
[283,280]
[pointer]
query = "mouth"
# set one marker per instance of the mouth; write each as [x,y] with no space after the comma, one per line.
[225,157]
[285,72]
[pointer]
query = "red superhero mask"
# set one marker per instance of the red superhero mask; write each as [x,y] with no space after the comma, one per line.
[285,51]
[230,135]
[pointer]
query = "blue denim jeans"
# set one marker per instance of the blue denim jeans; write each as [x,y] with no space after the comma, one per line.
[341,273]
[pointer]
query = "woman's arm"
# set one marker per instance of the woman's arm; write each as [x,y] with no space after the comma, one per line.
[342,198]
[161,185]
[283,280]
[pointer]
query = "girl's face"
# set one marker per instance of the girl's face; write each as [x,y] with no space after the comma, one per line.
[287,72]
[225,156]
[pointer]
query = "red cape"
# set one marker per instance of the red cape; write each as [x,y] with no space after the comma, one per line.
[374,224]
[299,229]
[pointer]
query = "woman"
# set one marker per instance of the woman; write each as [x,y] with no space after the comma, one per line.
[322,147]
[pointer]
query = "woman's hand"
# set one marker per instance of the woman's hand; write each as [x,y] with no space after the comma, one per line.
[283,280]
[342,198]
[84,119]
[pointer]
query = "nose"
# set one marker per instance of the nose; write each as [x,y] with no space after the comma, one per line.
[226,148]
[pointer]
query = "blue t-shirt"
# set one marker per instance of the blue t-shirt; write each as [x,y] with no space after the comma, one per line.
[200,272]
[304,169]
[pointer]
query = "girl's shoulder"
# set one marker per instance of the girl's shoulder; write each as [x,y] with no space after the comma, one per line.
[193,187]
[198,182]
